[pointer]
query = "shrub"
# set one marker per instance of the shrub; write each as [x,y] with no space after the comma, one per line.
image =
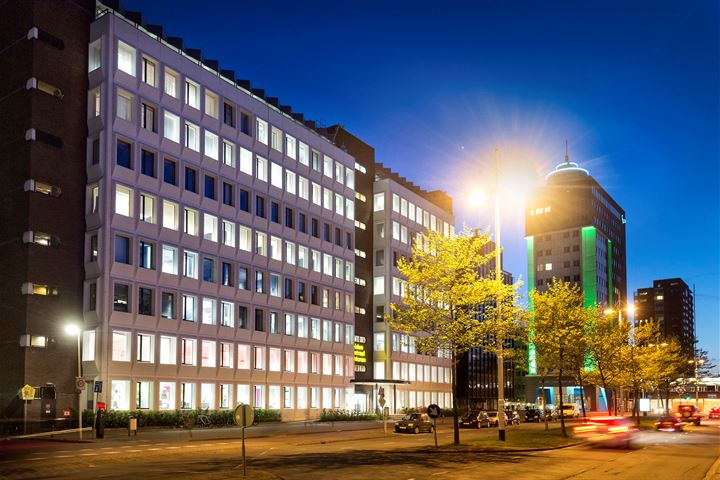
[345,415]
[267,415]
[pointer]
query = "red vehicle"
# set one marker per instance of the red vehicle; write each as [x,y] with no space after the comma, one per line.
[669,424]
[688,414]
[714,412]
[607,431]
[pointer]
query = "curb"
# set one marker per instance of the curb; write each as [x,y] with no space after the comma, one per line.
[491,450]
[713,471]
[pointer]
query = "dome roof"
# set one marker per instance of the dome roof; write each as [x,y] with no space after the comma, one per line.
[567,170]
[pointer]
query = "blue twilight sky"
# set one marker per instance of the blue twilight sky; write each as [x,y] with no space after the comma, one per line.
[435,86]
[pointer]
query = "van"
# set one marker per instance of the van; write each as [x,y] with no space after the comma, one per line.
[570,410]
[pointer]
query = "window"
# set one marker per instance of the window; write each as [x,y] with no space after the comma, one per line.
[302,362]
[290,253]
[147,117]
[226,352]
[303,154]
[228,114]
[145,351]
[228,153]
[302,222]
[187,395]
[316,194]
[276,248]
[168,305]
[327,166]
[245,123]
[147,208]
[147,163]
[242,317]
[290,183]
[243,357]
[126,58]
[226,274]
[192,94]
[243,279]
[188,355]
[244,201]
[171,126]
[245,242]
[145,257]
[95,55]
[142,395]
[274,359]
[289,324]
[259,320]
[211,104]
[123,154]
[228,233]
[290,147]
[122,249]
[192,136]
[170,215]
[169,259]
[170,171]
[190,264]
[207,353]
[274,212]
[327,331]
[276,139]
[260,243]
[191,180]
[171,83]
[168,355]
[226,314]
[327,364]
[315,329]
[327,199]
[379,341]
[208,311]
[121,346]
[274,285]
[259,357]
[302,256]
[210,188]
[261,169]
[124,105]
[208,270]
[246,161]
[88,345]
[189,308]
[226,393]
[211,145]
[261,131]
[303,188]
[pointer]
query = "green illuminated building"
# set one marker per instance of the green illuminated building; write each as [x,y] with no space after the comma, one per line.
[575,232]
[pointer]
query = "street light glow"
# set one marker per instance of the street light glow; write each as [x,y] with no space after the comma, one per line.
[72,329]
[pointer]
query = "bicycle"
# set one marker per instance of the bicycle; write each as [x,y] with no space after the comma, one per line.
[204,420]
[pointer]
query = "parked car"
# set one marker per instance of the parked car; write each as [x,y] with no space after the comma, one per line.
[494,420]
[669,424]
[688,413]
[714,412]
[512,417]
[475,419]
[607,431]
[414,423]
[570,410]
[532,415]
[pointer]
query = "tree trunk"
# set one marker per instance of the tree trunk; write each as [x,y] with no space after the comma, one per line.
[636,405]
[582,392]
[560,395]
[456,427]
[542,383]
[604,386]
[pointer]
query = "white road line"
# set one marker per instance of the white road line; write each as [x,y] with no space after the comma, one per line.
[171,448]
[266,451]
[88,454]
[153,449]
[62,456]
[190,446]
[134,451]
[38,458]
[105,448]
[440,473]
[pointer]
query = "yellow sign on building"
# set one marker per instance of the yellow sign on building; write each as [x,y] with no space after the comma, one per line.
[359,353]
[27,392]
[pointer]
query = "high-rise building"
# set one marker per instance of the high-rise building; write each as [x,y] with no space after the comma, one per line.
[670,304]
[391,212]
[200,233]
[575,233]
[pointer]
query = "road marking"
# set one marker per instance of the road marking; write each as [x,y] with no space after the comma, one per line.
[105,448]
[172,448]
[38,458]
[113,452]
[91,454]
[222,443]
[153,449]
[266,451]
[134,451]
[62,456]
[190,446]
[440,473]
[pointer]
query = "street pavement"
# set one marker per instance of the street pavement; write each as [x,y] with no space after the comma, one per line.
[297,452]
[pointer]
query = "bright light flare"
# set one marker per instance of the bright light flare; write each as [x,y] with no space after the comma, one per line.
[477,197]
[72,329]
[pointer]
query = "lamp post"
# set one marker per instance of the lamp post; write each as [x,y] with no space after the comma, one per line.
[697,362]
[498,300]
[629,309]
[75,330]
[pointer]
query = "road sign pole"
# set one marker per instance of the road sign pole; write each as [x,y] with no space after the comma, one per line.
[25,417]
[244,422]
[435,430]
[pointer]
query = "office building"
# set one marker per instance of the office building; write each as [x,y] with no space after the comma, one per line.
[391,212]
[201,233]
[575,232]
[669,303]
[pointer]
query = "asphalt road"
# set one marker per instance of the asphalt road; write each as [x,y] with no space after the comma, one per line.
[360,454]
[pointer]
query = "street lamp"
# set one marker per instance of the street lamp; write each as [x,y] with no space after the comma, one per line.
[498,278]
[697,362]
[73,329]
[630,309]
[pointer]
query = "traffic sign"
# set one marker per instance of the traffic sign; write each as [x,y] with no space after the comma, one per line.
[80,383]
[27,392]
[244,415]
[433,411]
[382,401]
[97,387]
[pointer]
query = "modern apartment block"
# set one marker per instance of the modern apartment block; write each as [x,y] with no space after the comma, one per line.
[200,233]
[391,212]
[575,232]
[671,304]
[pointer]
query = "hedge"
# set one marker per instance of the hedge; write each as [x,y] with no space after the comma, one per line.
[179,418]
[345,415]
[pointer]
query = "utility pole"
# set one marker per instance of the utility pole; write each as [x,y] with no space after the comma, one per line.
[498,300]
